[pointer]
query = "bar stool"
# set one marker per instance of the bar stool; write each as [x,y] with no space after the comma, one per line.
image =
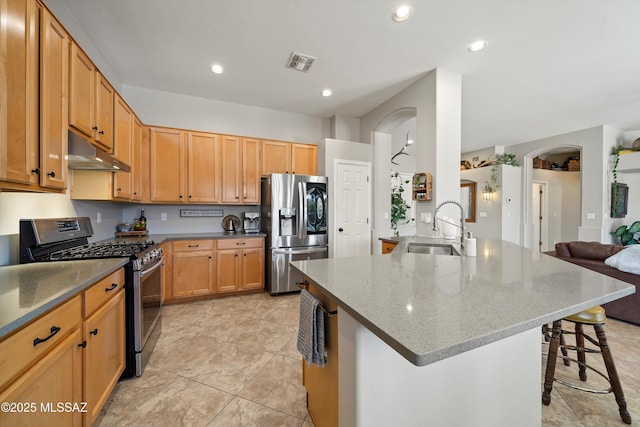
[595,317]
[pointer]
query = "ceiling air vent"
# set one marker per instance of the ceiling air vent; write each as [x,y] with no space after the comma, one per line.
[300,61]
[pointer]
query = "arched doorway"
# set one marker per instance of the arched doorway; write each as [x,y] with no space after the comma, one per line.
[552,197]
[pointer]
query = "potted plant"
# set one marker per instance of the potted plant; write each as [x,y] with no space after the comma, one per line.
[399,206]
[502,159]
[629,235]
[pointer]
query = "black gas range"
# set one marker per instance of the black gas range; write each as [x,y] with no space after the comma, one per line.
[66,239]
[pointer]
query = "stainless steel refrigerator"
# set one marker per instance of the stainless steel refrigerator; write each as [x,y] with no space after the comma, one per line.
[294,217]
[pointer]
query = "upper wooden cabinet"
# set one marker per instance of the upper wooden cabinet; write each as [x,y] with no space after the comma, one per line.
[184,166]
[203,168]
[240,166]
[91,101]
[123,135]
[19,92]
[139,161]
[287,157]
[304,159]
[166,156]
[54,118]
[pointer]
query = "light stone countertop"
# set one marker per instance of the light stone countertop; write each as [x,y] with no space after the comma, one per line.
[30,290]
[431,307]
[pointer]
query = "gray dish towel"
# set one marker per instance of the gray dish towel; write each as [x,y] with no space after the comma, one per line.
[311,330]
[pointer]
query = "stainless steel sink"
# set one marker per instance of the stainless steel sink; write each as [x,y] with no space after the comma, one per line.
[432,248]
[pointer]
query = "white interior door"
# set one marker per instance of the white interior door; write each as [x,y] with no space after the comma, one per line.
[352,209]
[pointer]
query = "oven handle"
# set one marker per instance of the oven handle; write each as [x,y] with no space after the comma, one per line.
[154,268]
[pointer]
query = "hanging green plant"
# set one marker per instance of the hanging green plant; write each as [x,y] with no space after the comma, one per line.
[399,206]
[502,159]
[614,172]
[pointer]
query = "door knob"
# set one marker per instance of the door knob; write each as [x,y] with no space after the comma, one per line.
[340,229]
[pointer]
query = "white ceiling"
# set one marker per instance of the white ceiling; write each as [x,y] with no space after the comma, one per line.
[550,67]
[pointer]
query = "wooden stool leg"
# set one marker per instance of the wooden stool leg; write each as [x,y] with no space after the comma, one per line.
[582,362]
[613,374]
[551,361]
[565,354]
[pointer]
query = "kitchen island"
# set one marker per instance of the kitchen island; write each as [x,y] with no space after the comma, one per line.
[427,339]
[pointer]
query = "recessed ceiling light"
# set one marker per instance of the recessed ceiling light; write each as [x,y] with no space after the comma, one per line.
[326,92]
[402,13]
[477,45]
[216,69]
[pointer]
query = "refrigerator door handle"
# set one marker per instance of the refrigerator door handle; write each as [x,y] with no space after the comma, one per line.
[297,251]
[302,195]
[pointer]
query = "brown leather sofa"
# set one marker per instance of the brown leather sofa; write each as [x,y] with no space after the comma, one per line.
[591,255]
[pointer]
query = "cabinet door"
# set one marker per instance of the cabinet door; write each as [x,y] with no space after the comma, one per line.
[54,113]
[136,159]
[57,377]
[228,268]
[250,171]
[82,86]
[253,269]
[275,157]
[104,112]
[123,134]
[19,91]
[104,359]
[230,168]
[193,273]
[203,167]
[304,159]
[166,157]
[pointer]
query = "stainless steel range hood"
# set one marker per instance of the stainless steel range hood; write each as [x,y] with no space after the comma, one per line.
[84,156]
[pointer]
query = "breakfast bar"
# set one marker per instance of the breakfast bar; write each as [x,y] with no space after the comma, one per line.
[446,339]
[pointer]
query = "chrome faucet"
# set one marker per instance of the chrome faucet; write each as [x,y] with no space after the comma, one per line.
[462,218]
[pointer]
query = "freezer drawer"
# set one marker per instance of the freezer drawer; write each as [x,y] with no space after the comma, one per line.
[280,277]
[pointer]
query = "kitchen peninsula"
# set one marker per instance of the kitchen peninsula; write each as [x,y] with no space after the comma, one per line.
[446,339]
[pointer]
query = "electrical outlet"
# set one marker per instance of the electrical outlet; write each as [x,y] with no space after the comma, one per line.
[591,215]
[386,215]
[163,216]
[99,217]
[483,214]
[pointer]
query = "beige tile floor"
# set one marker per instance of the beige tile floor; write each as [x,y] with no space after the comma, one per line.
[233,362]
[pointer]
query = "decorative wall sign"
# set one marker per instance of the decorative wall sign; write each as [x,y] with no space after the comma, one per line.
[619,200]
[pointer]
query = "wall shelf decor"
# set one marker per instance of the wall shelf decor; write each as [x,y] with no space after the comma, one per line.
[422,187]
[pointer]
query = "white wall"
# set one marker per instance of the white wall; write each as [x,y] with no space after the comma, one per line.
[208,115]
[436,98]
[344,128]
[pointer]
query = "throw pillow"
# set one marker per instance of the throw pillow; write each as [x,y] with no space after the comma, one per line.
[627,260]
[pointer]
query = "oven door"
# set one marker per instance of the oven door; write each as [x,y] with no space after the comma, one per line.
[147,310]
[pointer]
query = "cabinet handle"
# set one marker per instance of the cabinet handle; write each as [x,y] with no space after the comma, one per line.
[94,332]
[209,257]
[135,193]
[52,174]
[236,255]
[244,254]
[101,132]
[83,344]
[113,286]
[54,330]
[94,128]
[181,196]
[237,197]
[241,243]
[189,195]
[119,190]
[36,171]
[193,246]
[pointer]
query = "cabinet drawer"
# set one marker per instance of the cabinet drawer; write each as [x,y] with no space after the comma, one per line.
[101,292]
[33,341]
[192,245]
[240,243]
[387,247]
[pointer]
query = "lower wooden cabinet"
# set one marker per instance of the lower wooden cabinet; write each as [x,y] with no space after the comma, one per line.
[104,358]
[388,247]
[209,268]
[322,383]
[71,356]
[240,264]
[57,377]
[193,268]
